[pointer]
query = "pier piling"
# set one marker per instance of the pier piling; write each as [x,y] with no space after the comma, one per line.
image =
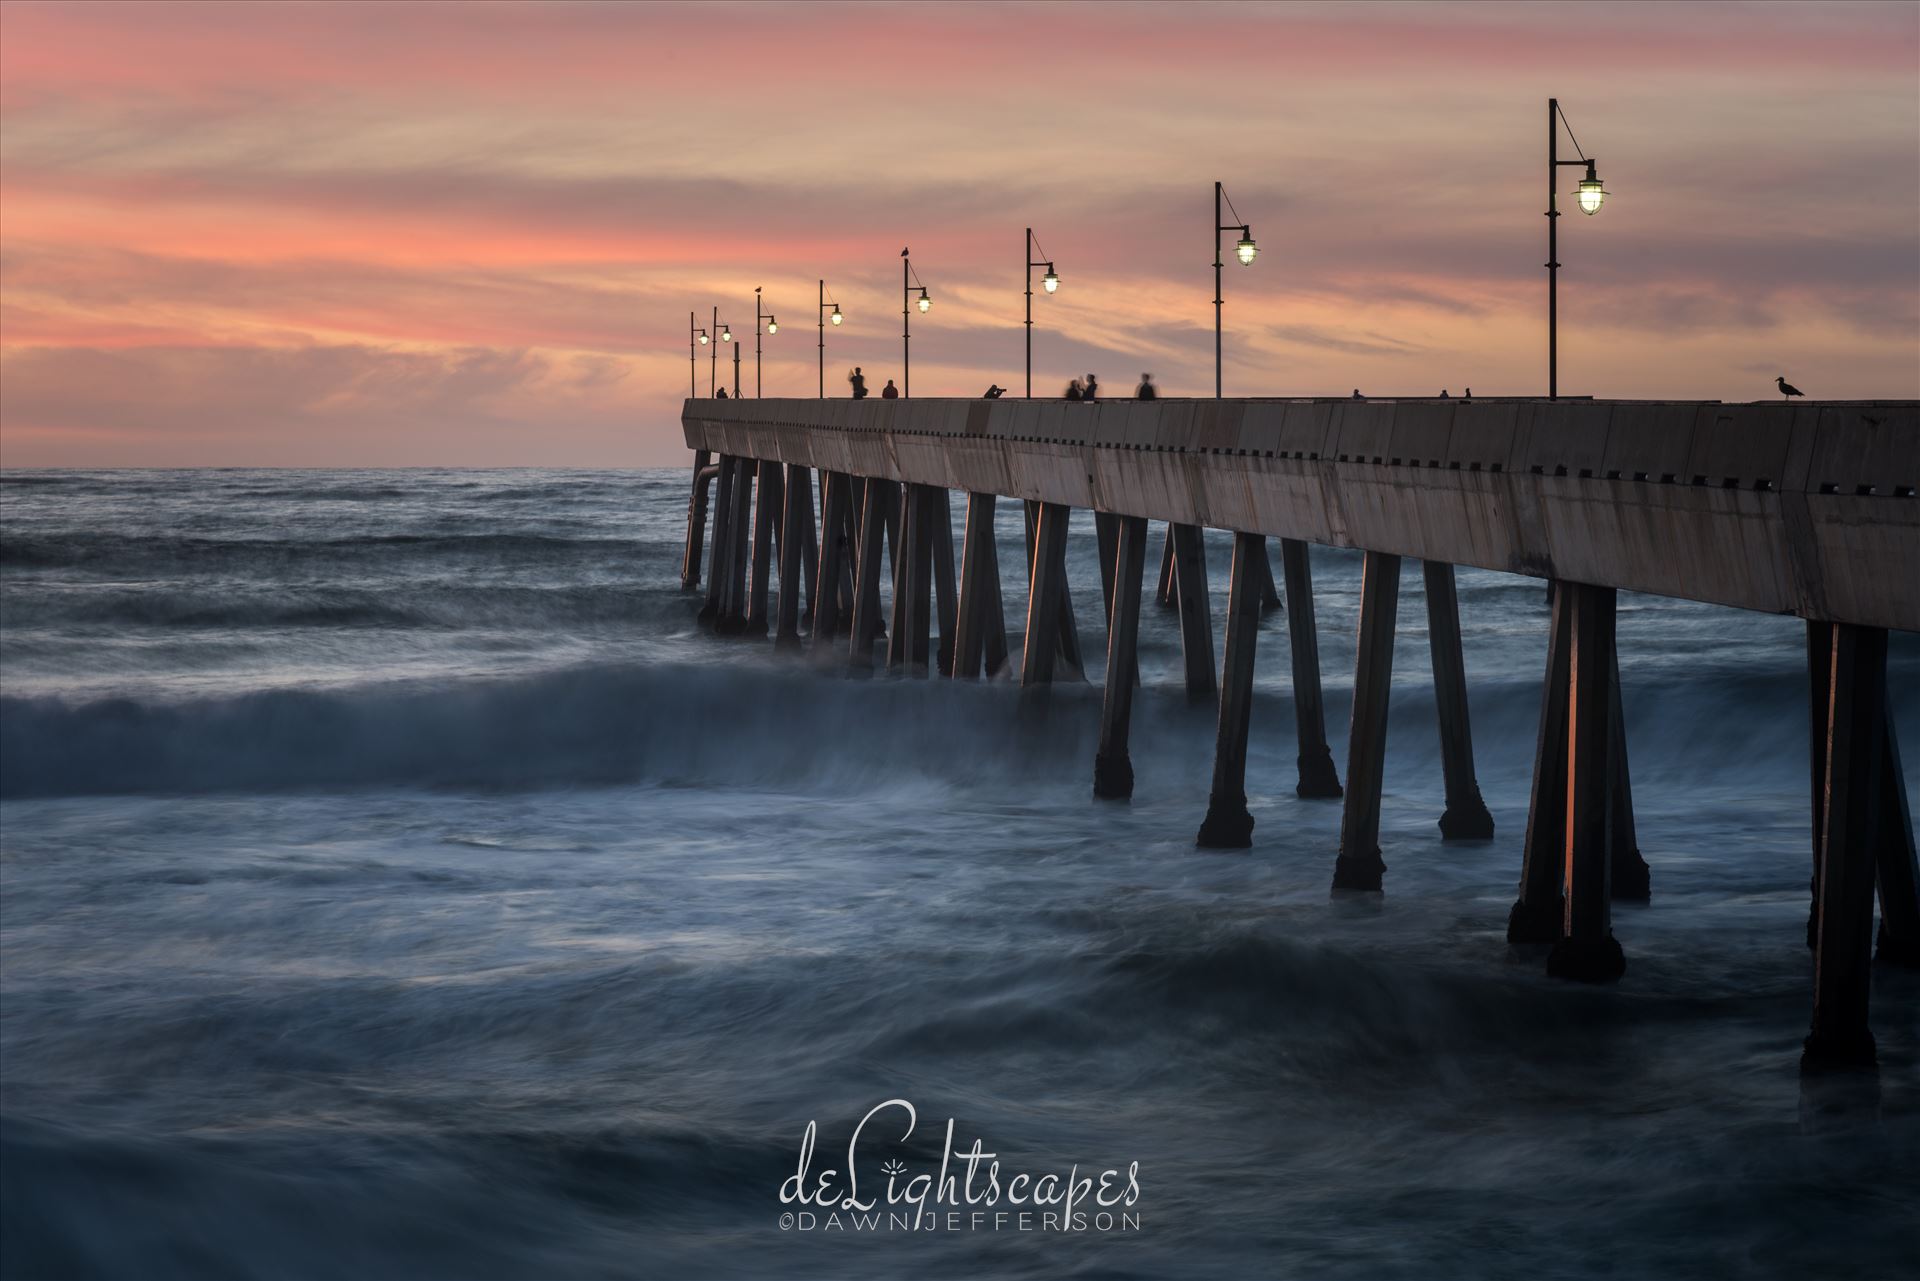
[1196,613]
[722,528]
[696,522]
[1163,594]
[1855,756]
[946,608]
[1466,817]
[1359,865]
[733,604]
[1587,950]
[1318,779]
[866,597]
[980,609]
[1631,881]
[827,594]
[1046,591]
[766,517]
[1112,766]
[795,516]
[1541,906]
[1228,825]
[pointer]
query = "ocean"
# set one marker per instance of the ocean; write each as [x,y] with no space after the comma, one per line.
[395,881]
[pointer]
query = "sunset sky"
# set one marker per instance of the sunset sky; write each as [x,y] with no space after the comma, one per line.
[361,234]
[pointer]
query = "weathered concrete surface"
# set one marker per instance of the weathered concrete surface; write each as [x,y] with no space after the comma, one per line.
[1804,509]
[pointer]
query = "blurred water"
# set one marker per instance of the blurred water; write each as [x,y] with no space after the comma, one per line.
[394,881]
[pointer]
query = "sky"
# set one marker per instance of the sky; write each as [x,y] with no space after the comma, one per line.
[472,235]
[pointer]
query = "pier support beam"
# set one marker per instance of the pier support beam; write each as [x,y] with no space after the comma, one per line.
[1046,590]
[1196,615]
[733,602]
[1466,817]
[946,608]
[1855,753]
[766,515]
[1112,767]
[1069,628]
[722,533]
[1163,595]
[795,516]
[833,554]
[1539,911]
[1587,950]
[1317,776]
[809,537]
[1269,594]
[1359,866]
[912,583]
[696,523]
[1228,825]
[866,596]
[980,616]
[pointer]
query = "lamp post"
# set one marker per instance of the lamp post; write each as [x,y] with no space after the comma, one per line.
[694,336]
[909,281]
[1244,251]
[1049,282]
[722,334]
[762,322]
[824,318]
[1591,194]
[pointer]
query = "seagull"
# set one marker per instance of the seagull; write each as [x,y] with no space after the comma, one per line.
[1787,389]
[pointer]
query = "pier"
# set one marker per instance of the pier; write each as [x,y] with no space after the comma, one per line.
[1804,509]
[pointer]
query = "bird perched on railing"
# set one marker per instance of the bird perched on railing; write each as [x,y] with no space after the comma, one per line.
[1787,389]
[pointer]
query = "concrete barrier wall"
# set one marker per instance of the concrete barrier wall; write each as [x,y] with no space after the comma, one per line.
[1805,509]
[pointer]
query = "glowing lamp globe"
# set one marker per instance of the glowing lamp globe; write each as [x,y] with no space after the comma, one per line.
[1050,282]
[772,327]
[1246,249]
[926,303]
[703,337]
[1591,194]
[726,334]
[836,314]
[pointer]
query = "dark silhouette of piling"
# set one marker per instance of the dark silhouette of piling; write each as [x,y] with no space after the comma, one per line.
[767,507]
[1046,592]
[696,522]
[722,534]
[1587,950]
[907,647]
[1631,881]
[1196,614]
[946,608]
[827,582]
[1317,776]
[1540,909]
[1163,594]
[1112,767]
[980,614]
[733,605]
[1359,866]
[1068,628]
[794,519]
[1228,825]
[866,598]
[1855,750]
[1466,817]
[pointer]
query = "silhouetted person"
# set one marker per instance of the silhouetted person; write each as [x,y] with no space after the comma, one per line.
[1469,394]
[1357,395]
[1146,390]
[859,381]
[1788,390]
[994,391]
[722,394]
[1074,391]
[889,392]
[1092,391]
[1443,393]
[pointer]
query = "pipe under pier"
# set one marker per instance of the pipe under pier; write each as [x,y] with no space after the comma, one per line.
[1806,509]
